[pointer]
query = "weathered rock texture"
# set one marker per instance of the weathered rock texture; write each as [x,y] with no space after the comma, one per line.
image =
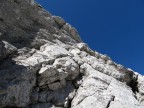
[44,64]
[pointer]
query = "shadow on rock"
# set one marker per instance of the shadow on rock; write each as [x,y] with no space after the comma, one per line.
[16,83]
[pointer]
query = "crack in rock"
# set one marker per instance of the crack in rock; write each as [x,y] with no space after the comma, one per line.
[112,99]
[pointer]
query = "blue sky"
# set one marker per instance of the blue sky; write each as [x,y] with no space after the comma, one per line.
[112,27]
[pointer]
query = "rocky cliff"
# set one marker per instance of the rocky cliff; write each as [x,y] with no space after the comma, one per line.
[44,64]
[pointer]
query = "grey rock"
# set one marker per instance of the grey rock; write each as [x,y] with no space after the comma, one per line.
[60,21]
[41,105]
[57,85]
[45,64]
[69,66]
[34,96]
[72,31]
[101,90]
[6,49]
[47,71]
[58,97]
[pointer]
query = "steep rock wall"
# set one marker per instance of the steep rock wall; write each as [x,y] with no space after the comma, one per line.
[44,64]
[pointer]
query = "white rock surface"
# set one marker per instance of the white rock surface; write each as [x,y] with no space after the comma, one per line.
[44,64]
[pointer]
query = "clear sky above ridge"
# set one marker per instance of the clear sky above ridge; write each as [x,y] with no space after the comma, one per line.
[112,27]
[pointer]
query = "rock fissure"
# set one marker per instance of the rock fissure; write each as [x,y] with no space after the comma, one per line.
[80,101]
[1,19]
[109,103]
[134,85]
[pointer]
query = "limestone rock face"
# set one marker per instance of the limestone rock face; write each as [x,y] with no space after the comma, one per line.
[44,64]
